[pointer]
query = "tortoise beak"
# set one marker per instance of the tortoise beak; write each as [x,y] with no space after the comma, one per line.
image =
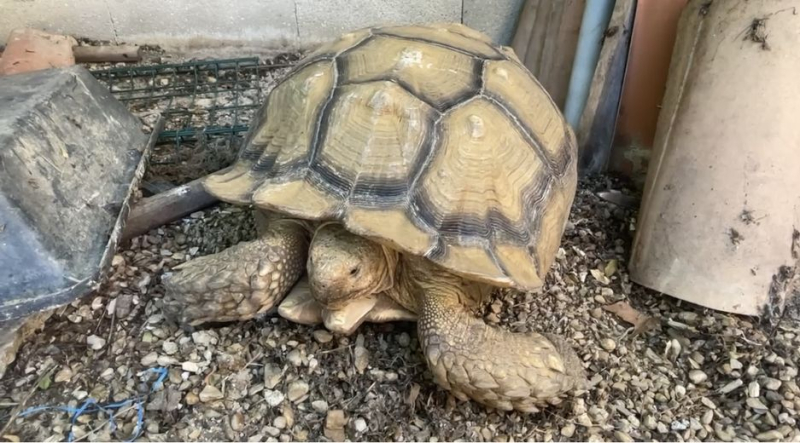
[350,316]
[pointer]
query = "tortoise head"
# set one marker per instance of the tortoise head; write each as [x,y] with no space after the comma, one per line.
[347,274]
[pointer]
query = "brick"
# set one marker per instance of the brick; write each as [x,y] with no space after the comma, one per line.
[33,50]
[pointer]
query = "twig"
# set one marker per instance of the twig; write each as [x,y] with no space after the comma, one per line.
[22,404]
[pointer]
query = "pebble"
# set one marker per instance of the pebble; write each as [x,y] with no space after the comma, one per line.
[756,405]
[320,406]
[272,430]
[753,390]
[169,347]
[273,398]
[732,386]
[404,339]
[210,393]
[334,425]
[297,390]
[190,366]
[608,344]
[95,342]
[568,430]
[65,374]
[708,417]
[322,336]
[773,435]
[272,375]
[192,399]
[621,436]
[772,384]
[697,376]
[279,422]
[237,421]
[149,359]
[295,358]
[360,425]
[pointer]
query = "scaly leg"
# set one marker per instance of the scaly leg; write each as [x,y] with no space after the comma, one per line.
[240,282]
[495,367]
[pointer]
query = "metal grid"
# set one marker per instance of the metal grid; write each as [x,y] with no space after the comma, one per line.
[206,104]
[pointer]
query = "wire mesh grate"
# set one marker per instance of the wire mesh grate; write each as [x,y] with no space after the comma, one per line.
[207,106]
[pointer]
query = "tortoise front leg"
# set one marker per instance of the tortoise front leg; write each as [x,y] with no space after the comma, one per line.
[495,367]
[240,282]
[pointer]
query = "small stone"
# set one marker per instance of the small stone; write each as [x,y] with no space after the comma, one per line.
[680,391]
[322,336]
[584,420]
[621,436]
[756,405]
[773,435]
[237,422]
[295,358]
[190,366]
[334,425]
[320,406]
[697,376]
[279,422]
[608,344]
[772,384]
[149,359]
[708,403]
[192,399]
[736,364]
[732,386]
[165,360]
[203,338]
[272,375]
[65,374]
[169,347]
[404,339]
[753,390]
[210,393]
[272,430]
[273,398]
[723,433]
[650,422]
[360,425]
[95,342]
[297,390]
[708,417]
[568,430]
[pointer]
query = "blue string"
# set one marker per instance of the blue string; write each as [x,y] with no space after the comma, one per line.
[91,406]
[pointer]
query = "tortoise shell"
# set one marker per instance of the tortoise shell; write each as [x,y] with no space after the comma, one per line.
[429,139]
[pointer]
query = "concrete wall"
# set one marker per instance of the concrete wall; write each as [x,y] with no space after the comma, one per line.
[255,23]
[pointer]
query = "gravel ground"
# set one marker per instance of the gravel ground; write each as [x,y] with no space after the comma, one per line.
[661,369]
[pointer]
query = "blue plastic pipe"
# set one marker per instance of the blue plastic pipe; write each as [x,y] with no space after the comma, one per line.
[596,15]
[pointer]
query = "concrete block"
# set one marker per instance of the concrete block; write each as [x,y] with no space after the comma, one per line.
[71,156]
[32,50]
[79,18]
[207,22]
[321,20]
[496,18]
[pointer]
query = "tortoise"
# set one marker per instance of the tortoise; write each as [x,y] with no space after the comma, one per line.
[408,171]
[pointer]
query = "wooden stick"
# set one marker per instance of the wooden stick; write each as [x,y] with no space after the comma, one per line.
[166,207]
[100,54]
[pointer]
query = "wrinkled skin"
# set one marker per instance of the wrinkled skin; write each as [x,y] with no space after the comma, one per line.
[355,280]
[243,281]
[352,280]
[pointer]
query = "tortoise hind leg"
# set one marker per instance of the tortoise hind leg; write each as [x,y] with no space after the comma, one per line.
[495,367]
[240,282]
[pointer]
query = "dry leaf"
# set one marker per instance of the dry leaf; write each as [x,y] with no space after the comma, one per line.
[627,313]
[412,396]
[611,268]
[600,276]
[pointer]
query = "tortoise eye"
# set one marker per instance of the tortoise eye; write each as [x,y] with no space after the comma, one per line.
[355,271]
